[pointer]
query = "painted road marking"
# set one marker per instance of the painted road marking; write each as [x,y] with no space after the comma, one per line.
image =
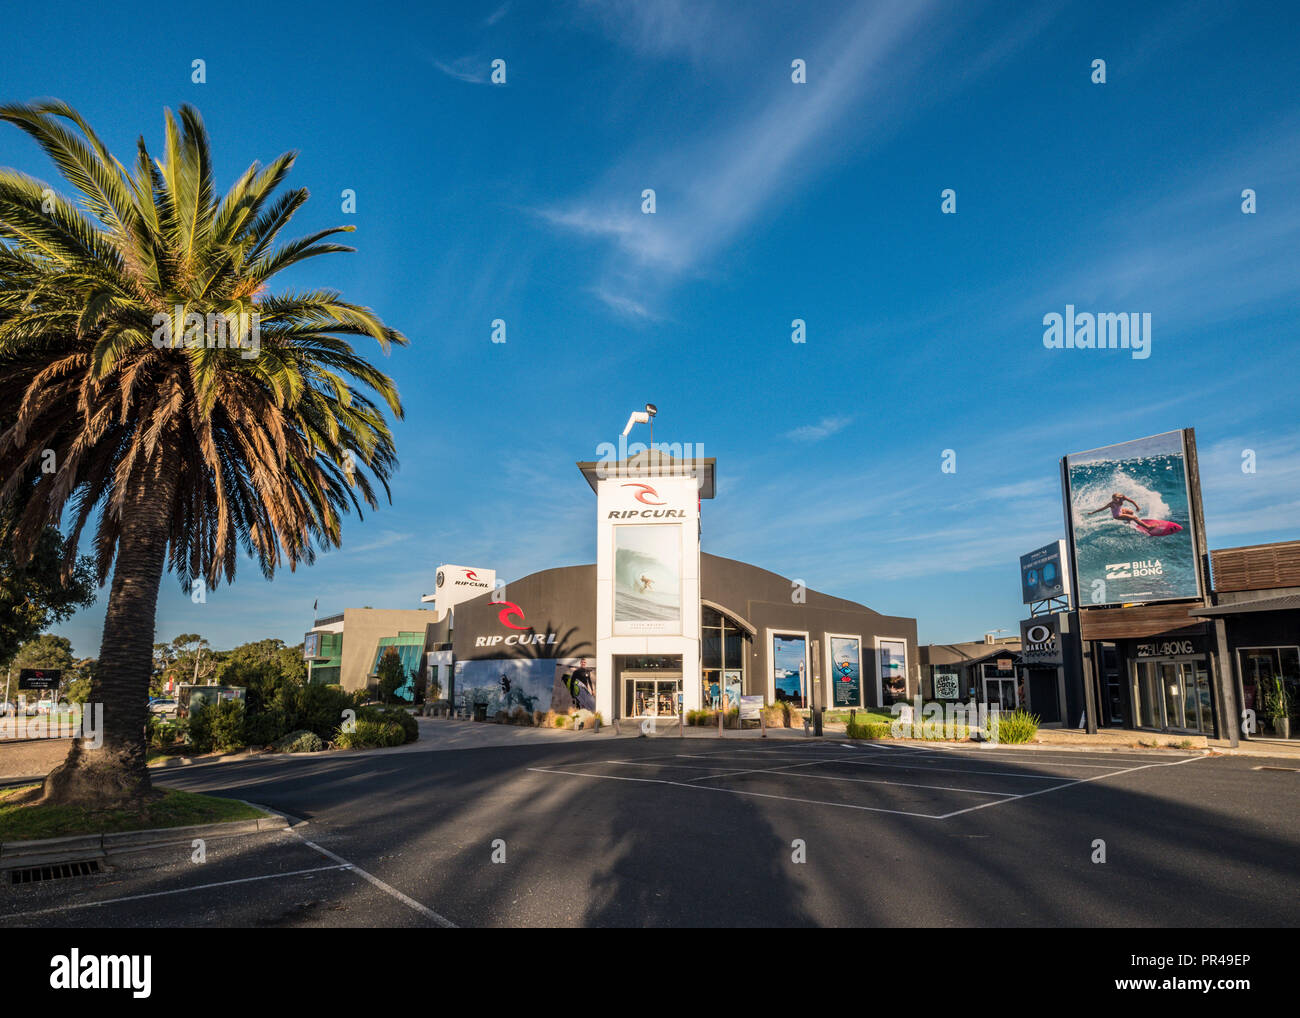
[1068,784]
[178,890]
[1004,797]
[737,791]
[386,888]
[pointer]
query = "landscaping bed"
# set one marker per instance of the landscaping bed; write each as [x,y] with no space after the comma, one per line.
[22,819]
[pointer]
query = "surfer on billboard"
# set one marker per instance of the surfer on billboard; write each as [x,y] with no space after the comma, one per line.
[1119,511]
[580,686]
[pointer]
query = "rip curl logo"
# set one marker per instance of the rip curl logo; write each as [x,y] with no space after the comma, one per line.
[509,609]
[470,574]
[646,490]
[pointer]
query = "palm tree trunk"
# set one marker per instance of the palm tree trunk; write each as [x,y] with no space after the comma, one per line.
[115,772]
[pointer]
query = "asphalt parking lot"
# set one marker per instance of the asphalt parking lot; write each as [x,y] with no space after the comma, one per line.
[701,832]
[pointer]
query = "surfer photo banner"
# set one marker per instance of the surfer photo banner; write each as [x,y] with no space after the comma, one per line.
[846,671]
[647,579]
[789,667]
[1131,522]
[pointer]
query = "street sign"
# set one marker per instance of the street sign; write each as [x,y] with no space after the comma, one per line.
[39,678]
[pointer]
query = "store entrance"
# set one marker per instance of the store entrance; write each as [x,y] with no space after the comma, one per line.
[653,694]
[1174,695]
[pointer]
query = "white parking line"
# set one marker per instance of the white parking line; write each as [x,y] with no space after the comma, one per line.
[788,769]
[161,894]
[959,770]
[1068,784]
[877,781]
[386,888]
[738,791]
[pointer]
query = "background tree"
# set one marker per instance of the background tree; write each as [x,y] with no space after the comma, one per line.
[390,673]
[287,661]
[186,448]
[44,651]
[37,594]
[192,661]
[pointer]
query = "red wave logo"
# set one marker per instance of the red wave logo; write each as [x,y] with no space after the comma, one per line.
[470,574]
[510,609]
[645,490]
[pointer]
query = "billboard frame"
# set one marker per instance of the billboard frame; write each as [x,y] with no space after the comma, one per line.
[1196,518]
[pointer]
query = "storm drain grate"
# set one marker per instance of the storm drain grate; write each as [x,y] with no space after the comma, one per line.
[58,871]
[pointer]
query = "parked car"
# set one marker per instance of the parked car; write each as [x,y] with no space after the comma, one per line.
[163,706]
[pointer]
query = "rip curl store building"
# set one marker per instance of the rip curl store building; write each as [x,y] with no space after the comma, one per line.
[656,625]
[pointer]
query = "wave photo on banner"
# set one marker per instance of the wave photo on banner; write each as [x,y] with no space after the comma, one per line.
[647,579]
[1130,512]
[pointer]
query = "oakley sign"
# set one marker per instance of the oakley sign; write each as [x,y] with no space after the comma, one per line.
[1040,640]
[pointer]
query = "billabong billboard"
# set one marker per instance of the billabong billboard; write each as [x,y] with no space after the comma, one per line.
[1130,514]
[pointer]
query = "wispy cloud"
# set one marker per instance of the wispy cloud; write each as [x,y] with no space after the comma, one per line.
[496,15]
[625,306]
[712,189]
[663,28]
[472,70]
[386,539]
[824,428]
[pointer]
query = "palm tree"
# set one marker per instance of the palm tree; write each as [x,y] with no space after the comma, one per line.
[184,453]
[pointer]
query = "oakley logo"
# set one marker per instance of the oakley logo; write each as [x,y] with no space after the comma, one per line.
[645,490]
[510,609]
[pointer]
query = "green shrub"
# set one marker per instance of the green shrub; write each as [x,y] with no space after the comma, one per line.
[268,726]
[302,741]
[218,727]
[867,730]
[165,734]
[1012,727]
[393,715]
[320,709]
[370,734]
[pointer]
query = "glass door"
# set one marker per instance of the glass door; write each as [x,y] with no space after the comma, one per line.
[1001,692]
[1172,686]
[1174,696]
[648,697]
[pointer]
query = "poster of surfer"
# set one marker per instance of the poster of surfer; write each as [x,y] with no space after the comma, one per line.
[505,684]
[846,671]
[1130,513]
[789,664]
[647,579]
[575,685]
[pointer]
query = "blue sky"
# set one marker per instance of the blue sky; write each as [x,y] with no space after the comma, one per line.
[775,201]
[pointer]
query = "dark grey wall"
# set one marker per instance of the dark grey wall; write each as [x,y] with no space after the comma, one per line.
[766,601]
[563,602]
[555,601]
